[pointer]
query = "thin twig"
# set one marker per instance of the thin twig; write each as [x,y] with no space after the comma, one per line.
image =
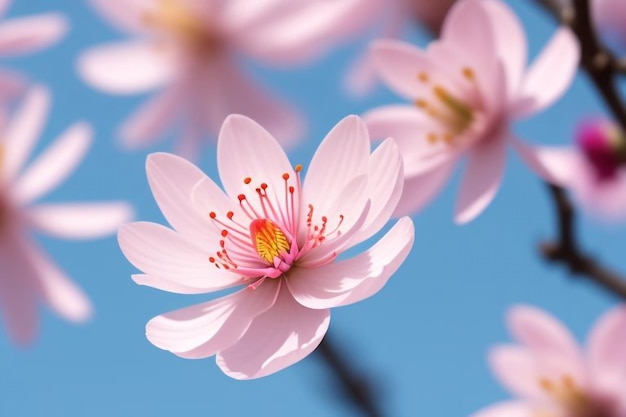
[356,387]
[603,68]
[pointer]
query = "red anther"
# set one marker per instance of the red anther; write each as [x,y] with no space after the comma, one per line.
[324,219]
[291,189]
[241,197]
[285,176]
[211,259]
[222,243]
[226,266]
[212,215]
[264,186]
[247,180]
[224,233]
[230,215]
[298,168]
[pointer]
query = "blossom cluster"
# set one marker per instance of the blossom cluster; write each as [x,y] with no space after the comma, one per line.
[282,242]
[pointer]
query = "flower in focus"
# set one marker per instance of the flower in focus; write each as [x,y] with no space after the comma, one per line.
[272,235]
[466,89]
[550,373]
[594,170]
[21,36]
[190,50]
[27,274]
[393,17]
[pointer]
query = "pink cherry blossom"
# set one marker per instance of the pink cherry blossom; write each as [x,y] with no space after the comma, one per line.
[466,89]
[552,376]
[21,36]
[595,170]
[610,19]
[28,275]
[272,233]
[190,50]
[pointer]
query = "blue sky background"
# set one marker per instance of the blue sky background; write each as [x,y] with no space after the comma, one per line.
[423,337]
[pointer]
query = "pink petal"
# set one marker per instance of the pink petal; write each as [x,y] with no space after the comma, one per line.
[607,344]
[508,409]
[607,199]
[245,149]
[24,129]
[557,165]
[55,164]
[4,5]
[172,180]
[151,120]
[18,292]
[126,15]
[204,329]
[304,30]
[220,88]
[355,279]
[420,189]
[481,180]
[550,74]
[30,34]
[80,220]
[510,42]
[127,67]
[342,156]
[384,188]
[541,332]
[165,255]
[12,85]
[57,290]
[399,64]
[208,197]
[276,339]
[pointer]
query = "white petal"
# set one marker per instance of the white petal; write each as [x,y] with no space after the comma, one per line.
[30,34]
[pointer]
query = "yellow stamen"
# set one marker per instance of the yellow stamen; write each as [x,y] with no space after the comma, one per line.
[269,240]
[175,17]
[469,74]
[423,77]
[432,138]
[461,115]
[421,103]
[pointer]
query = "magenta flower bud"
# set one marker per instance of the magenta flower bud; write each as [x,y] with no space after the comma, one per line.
[603,144]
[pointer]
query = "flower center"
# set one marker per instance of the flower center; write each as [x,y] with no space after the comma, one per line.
[604,146]
[573,399]
[176,18]
[454,115]
[266,237]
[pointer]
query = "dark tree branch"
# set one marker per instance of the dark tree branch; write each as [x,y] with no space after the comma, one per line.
[603,68]
[356,388]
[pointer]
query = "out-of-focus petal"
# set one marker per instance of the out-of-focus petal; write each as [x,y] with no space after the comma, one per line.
[507,409]
[127,67]
[541,332]
[481,180]
[342,156]
[245,149]
[57,290]
[420,189]
[151,120]
[510,42]
[352,280]
[172,180]
[18,291]
[557,165]
[24,129]
[607,344]
[12,84]
[161,253]
[25,35]
[550,74]
[204,329]
[80,220]
[384,188]
[282,336]
[127,15]
[55,164]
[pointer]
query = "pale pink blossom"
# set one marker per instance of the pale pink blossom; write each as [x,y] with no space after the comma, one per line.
[610,20]
[466,90]
[594,170]
[273,235]
[27,275]
[189,50]
[22,36]
[552,376]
